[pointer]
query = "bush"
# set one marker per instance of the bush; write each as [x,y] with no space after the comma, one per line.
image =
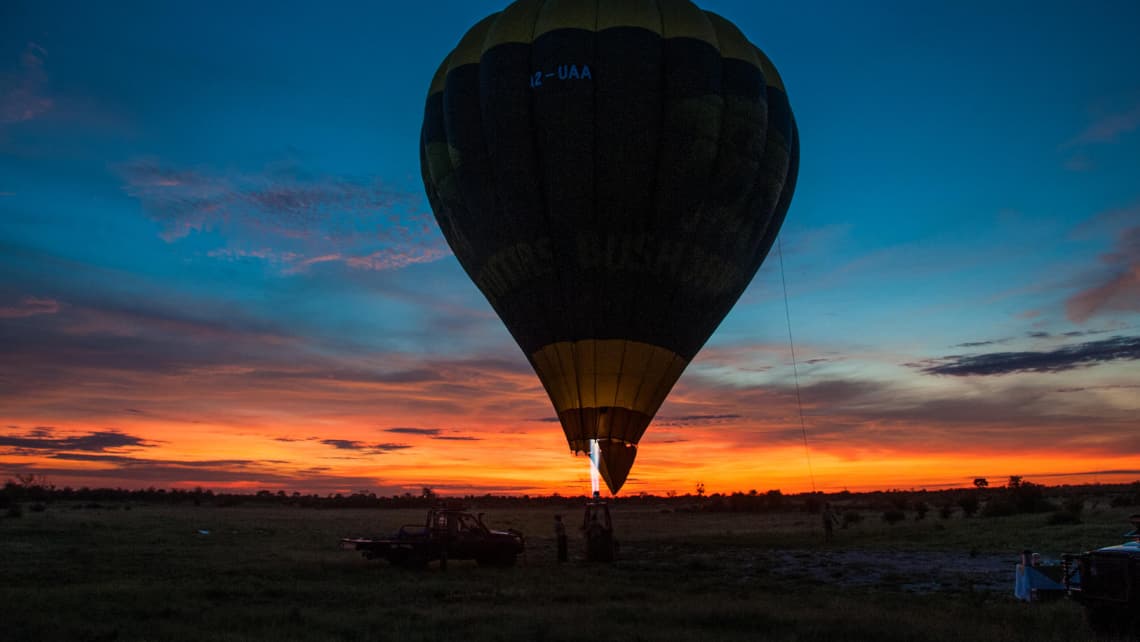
[969,505]
[1074,505]
[893,516]
[851,517]
[14,511]
[1063,517]
[1030,498]
[999,508]
[920,510]
[946,512]
[1122,501]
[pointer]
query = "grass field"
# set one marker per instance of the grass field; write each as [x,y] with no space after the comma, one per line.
[72,573]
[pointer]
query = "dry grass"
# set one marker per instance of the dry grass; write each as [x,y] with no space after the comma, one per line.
[275,573]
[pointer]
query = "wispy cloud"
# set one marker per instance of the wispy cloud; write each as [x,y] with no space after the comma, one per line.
[371,449]
[695,420]
[288,217]
[1108,128]
[23,92]
[1117,286]
[847,415]
[432,433]
[1065,358]
[29,306]
[1079,163]
[133,472]
[47,439]
[427,432]
[978,344]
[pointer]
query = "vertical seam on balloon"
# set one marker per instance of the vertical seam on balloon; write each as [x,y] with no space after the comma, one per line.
[491,178]
[545,314]
[449,211]
[688,251]
[596,223]
[725,302]
[652,204]
[545,213]
[716,165]
[617,381]
[763,155]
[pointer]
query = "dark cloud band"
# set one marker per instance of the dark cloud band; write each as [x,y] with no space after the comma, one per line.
[1081,355]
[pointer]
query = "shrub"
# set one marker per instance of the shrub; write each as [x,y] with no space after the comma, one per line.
[893,516]
[946,512]
[852,517]
[920,510]
[999,508]
[1063,517]
[969,505]
[813,504]
[1074,505]
[1030,498]
[14,511]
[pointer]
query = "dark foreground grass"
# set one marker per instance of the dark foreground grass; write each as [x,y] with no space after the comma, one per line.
[275,573]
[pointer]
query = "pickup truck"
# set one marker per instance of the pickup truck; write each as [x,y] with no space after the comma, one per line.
[1107,582]
[447,534]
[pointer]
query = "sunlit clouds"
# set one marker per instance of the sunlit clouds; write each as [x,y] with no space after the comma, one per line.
[218,267]
[296,219]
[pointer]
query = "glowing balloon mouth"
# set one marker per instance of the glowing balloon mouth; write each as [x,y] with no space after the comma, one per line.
[595,476]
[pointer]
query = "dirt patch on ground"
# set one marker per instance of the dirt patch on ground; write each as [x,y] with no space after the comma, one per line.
[911,571]
[907,571]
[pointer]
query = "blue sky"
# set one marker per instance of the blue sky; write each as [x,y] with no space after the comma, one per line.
[188,189]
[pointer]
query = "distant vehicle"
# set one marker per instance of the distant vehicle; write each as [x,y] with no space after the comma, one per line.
[1107,582]
[447,533]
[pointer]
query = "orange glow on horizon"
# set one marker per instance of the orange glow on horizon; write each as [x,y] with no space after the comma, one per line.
[530,458]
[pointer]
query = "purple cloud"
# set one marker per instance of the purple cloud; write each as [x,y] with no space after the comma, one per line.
[288,218]
[1108,128]
[695,419]
[433,433]
[23,91]
[371,449]
[29,306]
[45,439]
[1065,358]
[427,432]
[1118,285]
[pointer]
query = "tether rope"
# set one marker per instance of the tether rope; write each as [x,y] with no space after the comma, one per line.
[795,369]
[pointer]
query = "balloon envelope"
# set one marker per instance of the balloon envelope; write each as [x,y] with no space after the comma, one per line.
[610,175]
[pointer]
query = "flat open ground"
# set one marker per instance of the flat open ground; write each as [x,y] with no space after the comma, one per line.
[72,573]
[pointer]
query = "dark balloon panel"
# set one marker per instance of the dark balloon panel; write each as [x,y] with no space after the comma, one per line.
[610,175]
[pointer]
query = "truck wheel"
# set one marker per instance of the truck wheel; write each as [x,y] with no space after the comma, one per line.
[1105,620]
[500,561]
[401,558]
[397,558]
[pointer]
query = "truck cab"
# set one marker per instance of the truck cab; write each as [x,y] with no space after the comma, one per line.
[447,533]
[1107,583]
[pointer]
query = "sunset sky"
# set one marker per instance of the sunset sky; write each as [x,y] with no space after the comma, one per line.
[218,267]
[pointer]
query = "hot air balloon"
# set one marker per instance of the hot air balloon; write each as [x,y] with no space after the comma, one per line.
[611,175]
